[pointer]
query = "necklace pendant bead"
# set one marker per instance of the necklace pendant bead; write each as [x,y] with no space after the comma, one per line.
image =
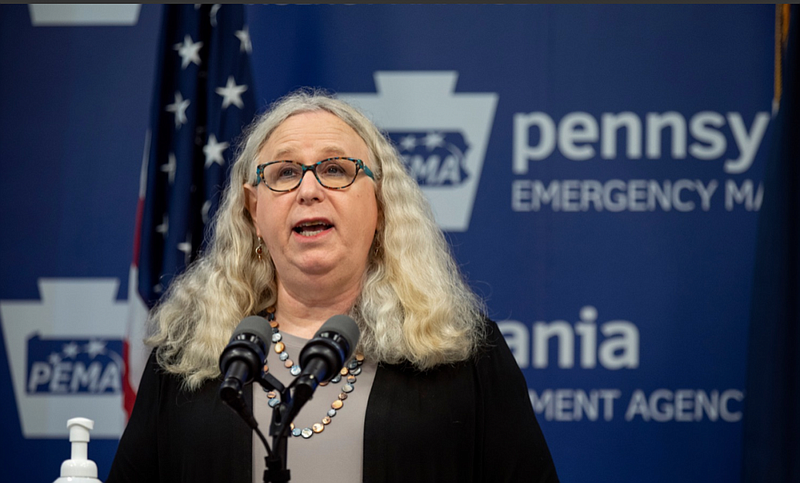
[351,379]
[356,371]
[336,379]
[284,355]
[331,413]
[280,347]
[307,433]
[288,363]
[273,402]
[347,388]
[344,371]
[295,370]
[337,404]
[296,432]
[317,427]
[360,357]
[326,419]
[276,337]
[352,365]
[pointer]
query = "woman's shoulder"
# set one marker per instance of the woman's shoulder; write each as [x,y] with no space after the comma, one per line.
[493,358]
[492,340]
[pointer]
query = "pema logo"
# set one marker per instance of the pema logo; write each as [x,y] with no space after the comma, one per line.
[442,135]
[433,158]
[74,366]
[64,356]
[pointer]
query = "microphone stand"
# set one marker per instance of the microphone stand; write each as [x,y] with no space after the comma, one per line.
[282,416]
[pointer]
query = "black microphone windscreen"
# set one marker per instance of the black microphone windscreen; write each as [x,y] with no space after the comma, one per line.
[255,325]
[344,326]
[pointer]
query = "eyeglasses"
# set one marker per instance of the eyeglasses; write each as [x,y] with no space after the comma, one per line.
[332,173]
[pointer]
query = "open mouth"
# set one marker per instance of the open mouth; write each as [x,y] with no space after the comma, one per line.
[311,228]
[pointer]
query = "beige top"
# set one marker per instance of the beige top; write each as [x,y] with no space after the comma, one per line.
[336,454]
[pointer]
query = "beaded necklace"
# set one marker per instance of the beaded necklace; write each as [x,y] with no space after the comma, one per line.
[350,371]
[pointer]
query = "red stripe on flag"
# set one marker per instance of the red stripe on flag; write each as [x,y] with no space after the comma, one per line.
[137,237]
[128,394]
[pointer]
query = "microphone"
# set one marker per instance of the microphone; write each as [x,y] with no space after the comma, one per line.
[242,360]
[325,355]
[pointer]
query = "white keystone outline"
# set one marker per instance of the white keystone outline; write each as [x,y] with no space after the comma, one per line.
[425,100]
[69,308]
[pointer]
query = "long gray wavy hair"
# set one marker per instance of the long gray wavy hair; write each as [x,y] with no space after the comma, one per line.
[414,304]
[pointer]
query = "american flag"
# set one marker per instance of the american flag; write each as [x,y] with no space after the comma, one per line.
[202,98]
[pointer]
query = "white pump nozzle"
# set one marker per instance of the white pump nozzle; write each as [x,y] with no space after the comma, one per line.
[79,466]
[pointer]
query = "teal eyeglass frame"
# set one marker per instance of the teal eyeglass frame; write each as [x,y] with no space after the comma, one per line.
[313,168]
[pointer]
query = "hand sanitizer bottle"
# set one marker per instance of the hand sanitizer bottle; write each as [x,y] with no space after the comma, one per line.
[79,469]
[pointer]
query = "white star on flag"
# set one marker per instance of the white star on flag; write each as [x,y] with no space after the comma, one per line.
[204,210]
[179,108]
[169,168]
[244,37]
[213,151]
[231,93]
[163,228]
[213,14]
[186,248]
[189,51]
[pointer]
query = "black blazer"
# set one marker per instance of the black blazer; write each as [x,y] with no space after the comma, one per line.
[466,422]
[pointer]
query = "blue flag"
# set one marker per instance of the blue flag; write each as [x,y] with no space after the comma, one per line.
[771,448]
[202,99]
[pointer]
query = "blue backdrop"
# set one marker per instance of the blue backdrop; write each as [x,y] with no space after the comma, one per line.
[597,169]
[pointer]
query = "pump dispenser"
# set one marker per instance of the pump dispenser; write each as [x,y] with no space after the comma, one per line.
[79,469]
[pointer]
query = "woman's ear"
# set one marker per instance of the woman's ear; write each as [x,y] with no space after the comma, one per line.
[251,202]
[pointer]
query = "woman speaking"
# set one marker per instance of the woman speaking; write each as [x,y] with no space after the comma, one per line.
[320,218]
